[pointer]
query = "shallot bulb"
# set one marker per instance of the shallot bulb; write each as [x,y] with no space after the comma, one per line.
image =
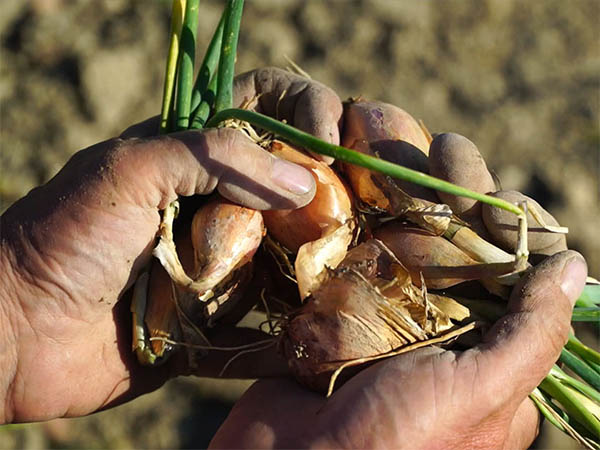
[386,131]
[330,208]
[224,237]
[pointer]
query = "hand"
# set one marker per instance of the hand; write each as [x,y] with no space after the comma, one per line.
[305,104]
[71,249]
[429,398]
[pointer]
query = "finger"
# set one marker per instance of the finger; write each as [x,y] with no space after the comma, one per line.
[192,162]
[258,358]
[537,256]
[525,426]
[146,128]
[274,413]
[306,104]
[521,347]
[456,159]
[503,225]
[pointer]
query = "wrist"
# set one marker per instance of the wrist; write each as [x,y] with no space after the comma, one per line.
[9,313]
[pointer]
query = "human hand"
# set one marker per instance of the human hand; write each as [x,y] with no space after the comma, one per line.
[429,398]
[305,104]
[433,398]
[71,249]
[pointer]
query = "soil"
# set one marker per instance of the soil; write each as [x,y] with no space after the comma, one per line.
[521,80]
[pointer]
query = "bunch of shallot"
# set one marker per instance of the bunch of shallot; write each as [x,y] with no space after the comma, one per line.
[408,242]
[374,259]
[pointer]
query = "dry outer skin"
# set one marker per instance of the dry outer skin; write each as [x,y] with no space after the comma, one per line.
[338,323]
[456,159]
[218,252]
[375,121]
[460,83]
[161,316]
[384,130]
[345,319]
[316,257]
[502,225]
[225,236]
[368,306]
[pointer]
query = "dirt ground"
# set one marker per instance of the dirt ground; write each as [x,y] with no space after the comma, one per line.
[521,80]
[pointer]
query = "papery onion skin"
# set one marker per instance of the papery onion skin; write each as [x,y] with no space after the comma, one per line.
[376,121]
[219,250]
[325,331]
[349,316]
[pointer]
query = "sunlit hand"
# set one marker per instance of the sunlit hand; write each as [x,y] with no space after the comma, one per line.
[428,398]
[72,248]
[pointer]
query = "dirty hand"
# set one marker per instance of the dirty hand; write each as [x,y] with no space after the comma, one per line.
[72,248]
[429,398]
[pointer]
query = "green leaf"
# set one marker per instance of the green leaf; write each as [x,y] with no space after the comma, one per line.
[186,64]
[580,368]
[591,314]
[208,67]
[310,142]
[590,296]
[231,32]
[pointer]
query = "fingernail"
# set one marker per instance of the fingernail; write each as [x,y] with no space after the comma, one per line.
[573,278]
[292,177]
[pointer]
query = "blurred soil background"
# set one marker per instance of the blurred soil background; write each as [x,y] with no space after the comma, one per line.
[521,80]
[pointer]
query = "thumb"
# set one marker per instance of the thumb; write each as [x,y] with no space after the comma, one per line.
[523,345]
[192,162]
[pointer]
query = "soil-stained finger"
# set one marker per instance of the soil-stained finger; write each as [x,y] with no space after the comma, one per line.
[456,159]
[502,224]
[304,103]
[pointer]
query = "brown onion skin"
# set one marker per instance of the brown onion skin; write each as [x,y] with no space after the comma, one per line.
[377,121]
[423,253]
[210,249]
[322,333]
[360,310]
[330,208]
